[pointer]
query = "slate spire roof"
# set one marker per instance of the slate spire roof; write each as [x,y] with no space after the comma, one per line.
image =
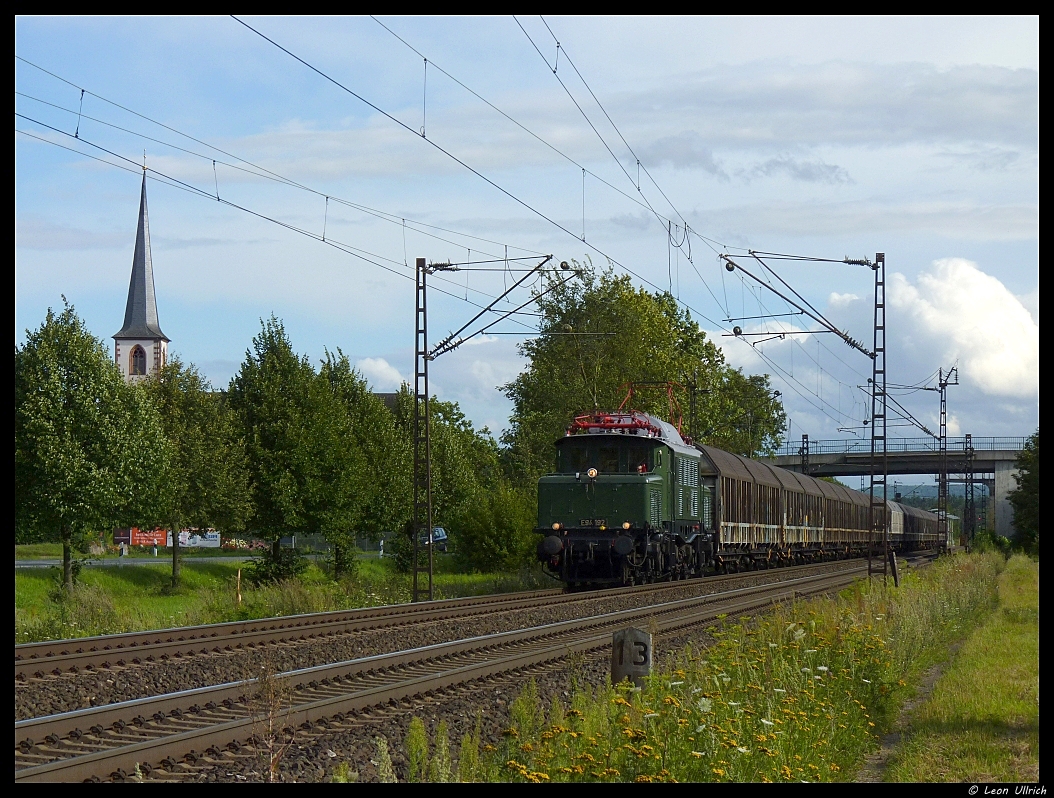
[140,314]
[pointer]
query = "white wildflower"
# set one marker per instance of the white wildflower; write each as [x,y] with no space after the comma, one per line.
[674,684]
[773,645]
[778,690]
[866,681]
[743,750]
[798,635]
[823,668]
[704,704]
[806,670]
[733,703]
[767,722]
[652,715]
[700,727]
[810,651]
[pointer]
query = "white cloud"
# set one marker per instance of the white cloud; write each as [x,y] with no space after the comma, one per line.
[380,373]
[841,300]
[957,312]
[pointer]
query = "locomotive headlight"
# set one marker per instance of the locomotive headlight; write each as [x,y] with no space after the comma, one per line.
[556,526]
[625,524]
[591,473]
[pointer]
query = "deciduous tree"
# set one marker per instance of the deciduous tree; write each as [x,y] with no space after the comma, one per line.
[207,481]
[90,452]
[1025,497]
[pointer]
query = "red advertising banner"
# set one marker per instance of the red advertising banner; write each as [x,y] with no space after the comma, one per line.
[191,538]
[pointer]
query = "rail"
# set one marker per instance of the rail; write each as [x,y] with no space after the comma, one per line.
[160,731]
[904,445]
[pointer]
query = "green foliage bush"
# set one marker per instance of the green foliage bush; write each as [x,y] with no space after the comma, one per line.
[276,566]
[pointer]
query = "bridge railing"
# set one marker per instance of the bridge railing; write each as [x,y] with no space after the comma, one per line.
[863,446]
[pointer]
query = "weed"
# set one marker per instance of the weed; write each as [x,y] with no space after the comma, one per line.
[385,771]
[439,769]
[269,704]
[417,751]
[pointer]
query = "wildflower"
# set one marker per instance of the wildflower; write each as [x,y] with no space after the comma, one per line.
[704,705]
[806,670]
[697,690]
[817,677]
[743,750]
[798,635]
[697,754]
[773,645]
[866,681]
[823,668]
[810,651]
[767,722]
[719,772]
[778,690]
[700,728]
[733,703]
[652,715]
[674,684]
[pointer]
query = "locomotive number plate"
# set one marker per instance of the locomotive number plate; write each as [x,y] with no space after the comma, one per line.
[593,522]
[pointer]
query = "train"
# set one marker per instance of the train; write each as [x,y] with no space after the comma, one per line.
[631,501]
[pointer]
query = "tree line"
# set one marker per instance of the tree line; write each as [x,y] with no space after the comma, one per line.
[291,448]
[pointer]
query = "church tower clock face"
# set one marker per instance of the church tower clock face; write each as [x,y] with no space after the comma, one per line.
[140,348]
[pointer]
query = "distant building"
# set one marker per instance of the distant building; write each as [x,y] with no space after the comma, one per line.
[140,348]
[390,400]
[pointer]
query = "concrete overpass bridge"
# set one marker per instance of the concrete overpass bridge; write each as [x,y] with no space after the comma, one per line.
[993,463]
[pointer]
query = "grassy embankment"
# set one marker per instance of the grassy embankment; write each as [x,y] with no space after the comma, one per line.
[981,723]
[799,693]
[134,597]
[53,551]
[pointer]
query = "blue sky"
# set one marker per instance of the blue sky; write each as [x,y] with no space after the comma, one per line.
[821,136]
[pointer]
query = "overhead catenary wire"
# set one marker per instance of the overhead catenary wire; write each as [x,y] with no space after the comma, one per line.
[464,164]
[476,172]
[686,232]
[256,169]
[182,185]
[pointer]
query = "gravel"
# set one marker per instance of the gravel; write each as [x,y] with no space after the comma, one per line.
[54,694]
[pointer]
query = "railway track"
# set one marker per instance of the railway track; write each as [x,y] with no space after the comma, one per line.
[162,731]
[56,657]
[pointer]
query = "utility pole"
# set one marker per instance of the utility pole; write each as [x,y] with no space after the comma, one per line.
[969,514]
[422,523]
[943,381]
[877,512]
[422,478]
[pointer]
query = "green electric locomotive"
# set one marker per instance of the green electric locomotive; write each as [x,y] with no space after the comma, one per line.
[632,502]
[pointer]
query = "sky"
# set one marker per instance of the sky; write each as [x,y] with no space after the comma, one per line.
[826,137]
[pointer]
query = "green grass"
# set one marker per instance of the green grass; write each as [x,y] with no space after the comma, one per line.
[801,693]
[981,723]
[135,597]
[49,551]
[38,551]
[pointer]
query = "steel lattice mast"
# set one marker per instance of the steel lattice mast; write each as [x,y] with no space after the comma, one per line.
[877,511]
[422,522]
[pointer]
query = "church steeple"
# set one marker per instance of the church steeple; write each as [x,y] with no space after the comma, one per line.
[140,313]
[141,332]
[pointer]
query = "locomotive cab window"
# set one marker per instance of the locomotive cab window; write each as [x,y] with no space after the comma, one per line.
[607,456]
